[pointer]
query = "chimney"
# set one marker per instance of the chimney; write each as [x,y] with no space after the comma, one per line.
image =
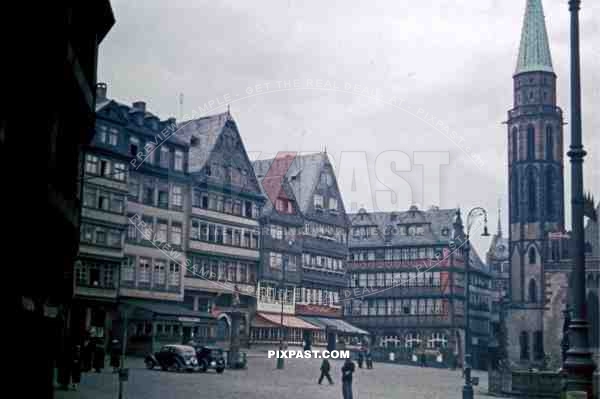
[101,92]
[139,105]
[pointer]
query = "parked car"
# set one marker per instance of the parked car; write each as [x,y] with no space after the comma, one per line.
[209,357]
[173,358]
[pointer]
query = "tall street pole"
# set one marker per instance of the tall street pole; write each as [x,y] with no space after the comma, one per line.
[467,391]
[578,364]
[280,363]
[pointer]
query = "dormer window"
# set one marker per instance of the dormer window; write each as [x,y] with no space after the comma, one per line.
[318,201]
[333,204]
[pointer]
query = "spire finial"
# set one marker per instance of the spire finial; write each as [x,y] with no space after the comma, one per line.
[499,233]
[534,50]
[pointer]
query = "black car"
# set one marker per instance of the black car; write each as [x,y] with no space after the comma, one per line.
[174,358]
[210,357]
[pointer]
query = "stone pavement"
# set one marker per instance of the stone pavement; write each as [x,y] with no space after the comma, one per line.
[262,380]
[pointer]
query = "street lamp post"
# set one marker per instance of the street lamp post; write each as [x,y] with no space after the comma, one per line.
[467,391]
[280,363]
[578,364]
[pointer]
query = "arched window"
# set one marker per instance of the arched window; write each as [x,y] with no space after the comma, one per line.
[549,143]
[532,291]
[532,255]
[514,194]
[515,144]
[530,142]
[551,191]
[531,195]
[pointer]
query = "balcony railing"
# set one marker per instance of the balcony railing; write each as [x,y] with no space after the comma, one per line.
[534,109]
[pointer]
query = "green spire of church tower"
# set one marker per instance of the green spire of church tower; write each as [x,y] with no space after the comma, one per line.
[534,51]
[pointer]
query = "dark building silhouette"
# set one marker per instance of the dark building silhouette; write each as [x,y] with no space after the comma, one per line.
[49,83]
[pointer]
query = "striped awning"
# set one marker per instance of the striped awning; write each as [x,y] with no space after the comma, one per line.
[274,320]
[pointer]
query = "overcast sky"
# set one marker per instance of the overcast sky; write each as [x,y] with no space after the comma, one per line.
[426,62]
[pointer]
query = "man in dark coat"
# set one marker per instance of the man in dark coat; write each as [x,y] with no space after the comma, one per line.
[115,355]
[325,367]
[369,359]
[347,371]
[360,358]
[76,367]
[98,361]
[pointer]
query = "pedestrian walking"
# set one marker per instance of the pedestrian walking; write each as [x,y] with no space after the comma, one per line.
[98,361]
[325,367]
[115,355]
[76,367]
[347,371]
[360,359]
[369,360]
[86,355]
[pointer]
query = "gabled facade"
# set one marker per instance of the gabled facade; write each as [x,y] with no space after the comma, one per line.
[224,234]
[407,284]
[134,228]
[306,223]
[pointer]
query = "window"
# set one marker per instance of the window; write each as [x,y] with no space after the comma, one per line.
[178,160]
[114,238]
[144,270]
[174,274]
[91,164]
[333,204]
[101,236]
[228,205]
[176,230]
[515,144]
[103,200]
[164,157]
[134,145]
[275,260]
[113,137]
[163,195]
[116,205]
[524,345]
[538,345]
[277,232]
[88,233]
[514,192]
[549,143]
[279,205]
[530,142]
[104,168]
[532,255]
[318,201]
[89,197]
[161,231]
[237,208]
[127,271]
[133,187]
[149,148]
[102,134]
[148,192]
[551,190]
[176,196]
[131,231]
[532,291]
[160,274]
[531,195]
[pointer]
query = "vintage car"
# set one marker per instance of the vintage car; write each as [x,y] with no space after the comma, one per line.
[173,358]
[209,357]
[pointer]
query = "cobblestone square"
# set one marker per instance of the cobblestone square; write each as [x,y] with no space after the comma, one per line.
[263,380]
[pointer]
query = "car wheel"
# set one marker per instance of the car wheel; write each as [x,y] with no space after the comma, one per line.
[176,367]
[149,364]
[220,370]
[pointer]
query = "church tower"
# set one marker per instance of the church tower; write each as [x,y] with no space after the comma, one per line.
[535,168]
